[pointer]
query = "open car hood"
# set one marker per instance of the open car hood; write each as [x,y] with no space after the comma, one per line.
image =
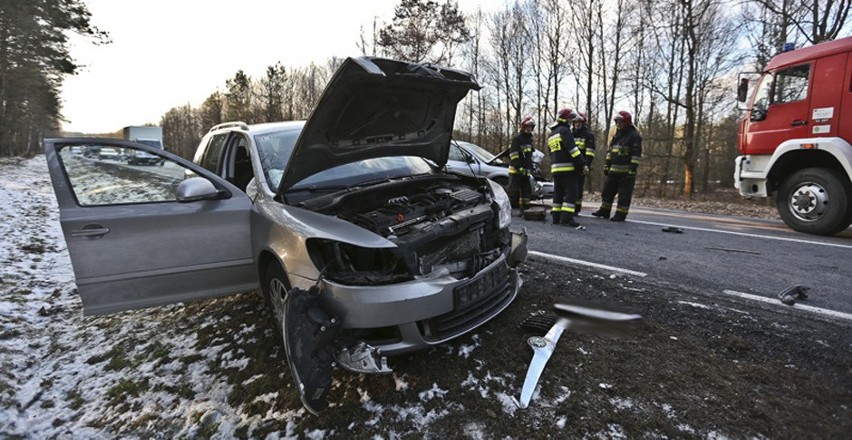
[374,107]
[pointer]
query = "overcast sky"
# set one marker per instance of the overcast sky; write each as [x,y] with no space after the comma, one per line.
[169,53]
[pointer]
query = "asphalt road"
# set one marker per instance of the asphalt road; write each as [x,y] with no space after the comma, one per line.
[721,254]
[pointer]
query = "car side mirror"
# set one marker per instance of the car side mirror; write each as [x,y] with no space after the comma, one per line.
[195,189]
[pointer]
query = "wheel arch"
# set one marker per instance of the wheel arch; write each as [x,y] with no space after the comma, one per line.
[835,155]
[266,258]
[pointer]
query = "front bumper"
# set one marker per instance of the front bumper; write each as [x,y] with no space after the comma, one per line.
[429,310]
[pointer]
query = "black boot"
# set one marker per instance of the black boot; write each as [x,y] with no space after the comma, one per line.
[601,214]
[618,217]
[568,220]
[557,215]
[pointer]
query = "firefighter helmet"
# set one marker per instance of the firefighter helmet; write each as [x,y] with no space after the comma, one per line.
[624,116]
[565,115]
[581,117]
[528,121]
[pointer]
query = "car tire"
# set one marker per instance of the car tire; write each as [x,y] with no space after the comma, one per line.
[275,288]
[815,201]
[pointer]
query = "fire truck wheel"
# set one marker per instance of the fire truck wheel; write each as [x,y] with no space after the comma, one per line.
[815,201]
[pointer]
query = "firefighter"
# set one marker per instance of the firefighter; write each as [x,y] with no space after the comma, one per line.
[521,164]
[566,168]
[585,141]
[622,161]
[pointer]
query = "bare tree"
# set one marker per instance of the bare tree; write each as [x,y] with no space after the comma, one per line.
[182,130]
[212,111]
[424,31]
[815,20]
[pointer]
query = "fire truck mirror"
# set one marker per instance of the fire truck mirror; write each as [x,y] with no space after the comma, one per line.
[742,90]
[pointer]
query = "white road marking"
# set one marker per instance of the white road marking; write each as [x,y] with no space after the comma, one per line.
[746,234]
[561,259]
[821,311]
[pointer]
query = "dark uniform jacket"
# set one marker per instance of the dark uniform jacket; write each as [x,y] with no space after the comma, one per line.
[565,157]
[520,154]
[585,141]
[624,152]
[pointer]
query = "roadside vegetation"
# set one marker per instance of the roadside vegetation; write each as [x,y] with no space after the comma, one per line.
[671,63]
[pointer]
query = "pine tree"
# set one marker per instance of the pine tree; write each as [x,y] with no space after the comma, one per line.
[34,58]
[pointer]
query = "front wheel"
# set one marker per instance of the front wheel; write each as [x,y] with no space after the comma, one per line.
[275,290]
[815,201]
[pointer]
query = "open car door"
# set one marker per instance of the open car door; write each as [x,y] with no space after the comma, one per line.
[141,236]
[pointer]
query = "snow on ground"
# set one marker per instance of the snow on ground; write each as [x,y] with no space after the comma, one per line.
[165,370]
[173,371]
[62,374]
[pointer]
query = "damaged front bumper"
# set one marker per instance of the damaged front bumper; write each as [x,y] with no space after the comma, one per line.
[423,312]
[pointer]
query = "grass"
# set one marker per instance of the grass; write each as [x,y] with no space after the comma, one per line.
[125,388]
[75,399]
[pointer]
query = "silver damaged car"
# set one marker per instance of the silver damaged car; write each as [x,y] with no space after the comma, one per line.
[363,243]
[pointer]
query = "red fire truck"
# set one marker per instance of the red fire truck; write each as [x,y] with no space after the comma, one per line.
[795,137]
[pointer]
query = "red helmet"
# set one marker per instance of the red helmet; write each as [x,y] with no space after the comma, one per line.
[624,116]
[581,117]
[565,115]
[528,121]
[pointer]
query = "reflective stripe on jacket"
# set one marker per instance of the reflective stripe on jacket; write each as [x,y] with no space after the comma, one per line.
[585,141]
[564,154]
[520,154]
[624,151]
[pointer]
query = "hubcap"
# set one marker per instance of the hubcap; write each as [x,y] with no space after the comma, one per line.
[809,202]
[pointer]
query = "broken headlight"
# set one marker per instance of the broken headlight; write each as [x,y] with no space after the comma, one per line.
[355,265]
[504,206]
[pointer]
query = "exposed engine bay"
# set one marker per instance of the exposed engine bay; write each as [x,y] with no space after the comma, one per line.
[437,222]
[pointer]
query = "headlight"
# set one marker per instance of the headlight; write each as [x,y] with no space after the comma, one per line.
[504,205]
[354,265]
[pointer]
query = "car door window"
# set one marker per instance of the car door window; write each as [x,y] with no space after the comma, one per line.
[456,154]
[98,179]
[213,152]
[791,84]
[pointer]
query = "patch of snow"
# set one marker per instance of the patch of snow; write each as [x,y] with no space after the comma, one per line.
[685,428]
[510,403]
[621,404]
[475,431]
[465,350]
[400,383]
[605,386]
[696,305]
[716,435]
[561,422]
[432,393]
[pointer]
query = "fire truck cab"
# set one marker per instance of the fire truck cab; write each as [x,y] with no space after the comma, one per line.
[794,139]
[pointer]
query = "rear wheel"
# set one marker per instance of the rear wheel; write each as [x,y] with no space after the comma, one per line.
[815,201]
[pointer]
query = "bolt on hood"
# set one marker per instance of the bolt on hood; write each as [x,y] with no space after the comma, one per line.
[374,107]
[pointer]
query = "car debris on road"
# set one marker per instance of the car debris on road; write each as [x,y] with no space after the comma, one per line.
[790,295]
[583,318]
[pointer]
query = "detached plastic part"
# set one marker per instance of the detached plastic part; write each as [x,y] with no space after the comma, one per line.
[363,358]
[309,343]
[790,295]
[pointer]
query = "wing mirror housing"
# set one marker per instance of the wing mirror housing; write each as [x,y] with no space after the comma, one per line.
[195,189]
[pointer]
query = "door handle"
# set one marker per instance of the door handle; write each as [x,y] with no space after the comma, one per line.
[798,123]
[90,231]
